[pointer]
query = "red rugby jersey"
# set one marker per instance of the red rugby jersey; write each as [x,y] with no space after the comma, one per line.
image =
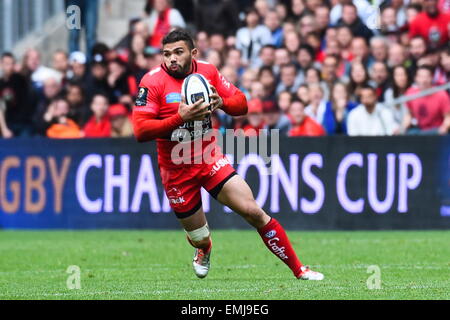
[159,98]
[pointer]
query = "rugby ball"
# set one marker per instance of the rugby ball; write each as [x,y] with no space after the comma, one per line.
[196,87]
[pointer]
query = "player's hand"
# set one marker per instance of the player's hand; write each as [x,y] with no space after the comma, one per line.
[216,100]
[195,112]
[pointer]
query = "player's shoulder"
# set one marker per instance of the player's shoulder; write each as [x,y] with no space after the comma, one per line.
[206,67]
[153,77]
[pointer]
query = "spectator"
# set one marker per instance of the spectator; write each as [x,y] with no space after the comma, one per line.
[360,52]
[121,126]
[217,16]
[162,19]
[61,126]
[248,78]
[89,20]
[14,94]
[365,11]
[303,94]
[203,46]
[275,119]
[230,74]
[273,22]
[370,118]
[306,25]
[297,9]
[281,58]
[389,25]
[78,109]
[338,108]
[412,11]
[99,126]
[397,55]
[445,63]
[214,57]
[255,118]
[251,38]
[330,70]
[400,83]
[288,79]
[318,105]
[78,73]
[417,48]
[345,38]
[380,79]
[267,56]
[284,101]
[358,78]
[4,130]
[218,43]
[233,60]
[431,24]
[430,114]
[35,72]
[302,125]
[379,48]
[61,64]
[322,17]
[305,60]
[351,20]
[257,91]
[268,80]
[97,81]
[52,89]
[122,84]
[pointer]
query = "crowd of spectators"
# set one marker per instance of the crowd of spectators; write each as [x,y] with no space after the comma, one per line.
[307,67]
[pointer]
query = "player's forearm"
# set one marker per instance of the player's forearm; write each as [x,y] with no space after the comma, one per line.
[236,105]
[146,129]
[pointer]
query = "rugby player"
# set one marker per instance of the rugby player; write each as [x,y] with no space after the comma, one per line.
[160,113]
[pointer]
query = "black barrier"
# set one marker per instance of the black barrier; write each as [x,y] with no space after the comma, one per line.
[334,183]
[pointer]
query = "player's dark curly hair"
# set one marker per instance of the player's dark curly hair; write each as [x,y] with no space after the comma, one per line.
[179,35]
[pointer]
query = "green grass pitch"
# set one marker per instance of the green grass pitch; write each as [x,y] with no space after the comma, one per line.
[157,265]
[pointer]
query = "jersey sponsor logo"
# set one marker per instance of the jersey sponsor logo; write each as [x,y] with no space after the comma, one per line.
[225,82]
[175,196]
[271,234]
[141,100]
[191,131]
[173,98]
[222,163]
[279,251]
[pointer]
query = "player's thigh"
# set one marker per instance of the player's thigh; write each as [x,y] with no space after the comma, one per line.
[194,222]
[237,195]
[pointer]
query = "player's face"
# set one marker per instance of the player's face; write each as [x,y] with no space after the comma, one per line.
[178,59]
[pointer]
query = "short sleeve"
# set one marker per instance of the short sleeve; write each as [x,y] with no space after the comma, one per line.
[147,100]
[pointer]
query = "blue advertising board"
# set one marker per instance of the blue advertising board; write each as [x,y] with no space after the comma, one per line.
[333,183]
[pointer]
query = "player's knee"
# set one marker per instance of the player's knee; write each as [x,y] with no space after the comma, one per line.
[252,212]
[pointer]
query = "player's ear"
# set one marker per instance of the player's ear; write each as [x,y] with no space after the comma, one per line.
[194,52]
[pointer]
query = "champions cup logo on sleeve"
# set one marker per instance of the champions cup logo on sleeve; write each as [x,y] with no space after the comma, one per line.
[141,100]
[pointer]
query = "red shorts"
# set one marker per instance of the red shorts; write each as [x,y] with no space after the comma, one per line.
[183,185]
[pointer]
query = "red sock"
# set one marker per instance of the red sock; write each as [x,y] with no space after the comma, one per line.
[278,243]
